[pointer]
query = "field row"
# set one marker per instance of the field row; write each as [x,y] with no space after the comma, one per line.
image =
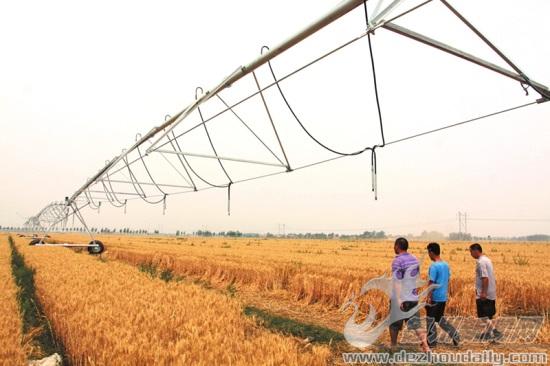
[330,279]
[11,338]
[110,313]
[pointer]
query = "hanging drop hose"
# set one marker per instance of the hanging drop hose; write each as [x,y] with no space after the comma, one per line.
[113,192]
[374,79]
[110,199]
[208,135]
[374,172]
[111,196]
[228,185]
[133,180]
[374,165]
[180,159]
[135,184]
[193,170]
[302,125]
[372,149]
[229,199]
[148,172]
[88,195]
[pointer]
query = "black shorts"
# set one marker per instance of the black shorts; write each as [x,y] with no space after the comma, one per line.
[436,310]
[486,308]
[413,322]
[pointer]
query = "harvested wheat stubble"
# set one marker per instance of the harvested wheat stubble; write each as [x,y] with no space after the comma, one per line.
[331,276]
[11,350]
[111,314]
[327,272]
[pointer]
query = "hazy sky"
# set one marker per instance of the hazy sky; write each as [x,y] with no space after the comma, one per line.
[78,80]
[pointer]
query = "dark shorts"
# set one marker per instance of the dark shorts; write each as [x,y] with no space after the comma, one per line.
[413,322]
[486,308]
[436,310]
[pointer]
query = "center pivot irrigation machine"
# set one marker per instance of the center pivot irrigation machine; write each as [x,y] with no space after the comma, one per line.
[173,147]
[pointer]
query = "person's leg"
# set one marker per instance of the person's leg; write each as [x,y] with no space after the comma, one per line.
[492,310]
[490,325]
[421,334]
[395,327]
[485,312]
[414,324]
[430,325]
[446,326]
[394,333]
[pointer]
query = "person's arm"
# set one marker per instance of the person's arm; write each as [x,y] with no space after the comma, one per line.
[484,281]
[432,276]
[484,287]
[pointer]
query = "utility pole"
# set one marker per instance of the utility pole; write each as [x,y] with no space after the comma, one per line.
[281,230]
[462,223]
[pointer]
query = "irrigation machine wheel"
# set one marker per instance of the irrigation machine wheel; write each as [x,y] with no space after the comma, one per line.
[36,241]
[97,247]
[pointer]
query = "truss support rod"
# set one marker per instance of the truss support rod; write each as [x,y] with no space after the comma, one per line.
[103,192]
[271,120]
[78,214]
[378,17]
[145,183]
[221,158]
[337,12]
[456,52]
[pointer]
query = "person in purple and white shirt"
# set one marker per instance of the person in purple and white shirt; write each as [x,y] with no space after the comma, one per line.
[405,271]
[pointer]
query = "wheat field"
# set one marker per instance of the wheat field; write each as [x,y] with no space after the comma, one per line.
[323,274]
[11,338]
[108,313]
[111,310]
[317,271]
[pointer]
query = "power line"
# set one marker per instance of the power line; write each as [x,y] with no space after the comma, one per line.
[508,219]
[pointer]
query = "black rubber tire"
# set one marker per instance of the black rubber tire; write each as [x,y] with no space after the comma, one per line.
[36,241]
[98,247]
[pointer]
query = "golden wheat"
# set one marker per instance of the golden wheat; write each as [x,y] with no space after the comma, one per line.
[331,276]
[328,272]
[311,279]
[111,314]
[11,350]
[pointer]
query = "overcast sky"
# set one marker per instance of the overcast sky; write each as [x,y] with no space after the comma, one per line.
[79,80]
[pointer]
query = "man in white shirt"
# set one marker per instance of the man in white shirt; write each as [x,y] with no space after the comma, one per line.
[486,292]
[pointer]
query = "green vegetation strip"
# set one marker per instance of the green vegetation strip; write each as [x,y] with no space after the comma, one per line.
[313,333]
[33,319]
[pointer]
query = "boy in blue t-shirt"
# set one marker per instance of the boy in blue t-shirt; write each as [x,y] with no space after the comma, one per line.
[439,274]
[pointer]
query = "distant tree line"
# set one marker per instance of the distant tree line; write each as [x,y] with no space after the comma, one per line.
[230,233]
[425,235]
[460,236]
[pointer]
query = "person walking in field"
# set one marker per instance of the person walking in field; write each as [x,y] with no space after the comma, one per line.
[439,274]
[405,271]
[486,292]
